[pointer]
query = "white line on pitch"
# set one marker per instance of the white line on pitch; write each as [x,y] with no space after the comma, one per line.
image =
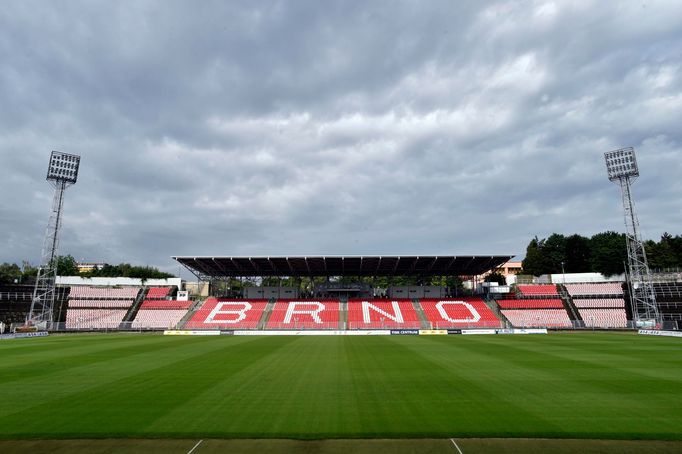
[199,442]
[454,443]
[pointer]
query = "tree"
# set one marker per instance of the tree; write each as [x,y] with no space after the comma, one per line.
[533,263]
[66,265]
[9,273]
[608,253]
[675,243]
[661,255]
[27,270]
[128,270]
[577,254]
[496,276]
[553,253]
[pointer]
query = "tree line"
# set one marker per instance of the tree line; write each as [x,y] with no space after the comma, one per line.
[11,273]
[604,253]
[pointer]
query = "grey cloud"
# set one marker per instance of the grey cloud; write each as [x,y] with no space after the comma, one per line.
[334,127]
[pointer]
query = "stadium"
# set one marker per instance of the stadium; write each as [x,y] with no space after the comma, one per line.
[299,226]
[336,366]
[342,353]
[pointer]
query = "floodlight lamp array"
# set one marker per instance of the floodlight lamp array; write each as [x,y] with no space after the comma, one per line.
[621,163]
[63,167]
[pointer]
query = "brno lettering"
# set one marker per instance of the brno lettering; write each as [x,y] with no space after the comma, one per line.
[475,316]
[396,316]
[218,310]
[292,310]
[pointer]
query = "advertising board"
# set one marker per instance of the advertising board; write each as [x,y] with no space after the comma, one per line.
[432,332]
[655,332]
[23,335]
[182,332]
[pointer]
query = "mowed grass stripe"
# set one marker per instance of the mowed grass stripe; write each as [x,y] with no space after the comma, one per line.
[475,392]
[592,393]
[592,385]
[53,374]
[287,393]
[64,355]
[563,381]
[108,392]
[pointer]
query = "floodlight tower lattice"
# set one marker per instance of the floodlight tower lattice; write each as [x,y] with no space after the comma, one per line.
[621,166]
[62,172]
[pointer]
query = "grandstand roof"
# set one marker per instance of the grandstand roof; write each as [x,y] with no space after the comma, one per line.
[216,267]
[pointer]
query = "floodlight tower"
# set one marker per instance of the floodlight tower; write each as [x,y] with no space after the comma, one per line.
[621,166]
[62,172]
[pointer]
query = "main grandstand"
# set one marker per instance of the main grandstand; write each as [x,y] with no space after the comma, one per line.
[341,297]
[341,306]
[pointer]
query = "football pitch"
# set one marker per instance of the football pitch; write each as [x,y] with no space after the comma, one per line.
[610,392]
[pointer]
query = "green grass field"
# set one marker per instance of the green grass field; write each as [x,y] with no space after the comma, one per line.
[578,386]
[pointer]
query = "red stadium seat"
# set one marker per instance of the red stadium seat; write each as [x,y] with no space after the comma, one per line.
[158,318]
[158,292]
[165,304]
[605,288]
[538,289]
[604,318]
[459,313]
[382,314]
[531,304]
[305,314]
[538,318]
[98,307]
[227,314]
[94,318]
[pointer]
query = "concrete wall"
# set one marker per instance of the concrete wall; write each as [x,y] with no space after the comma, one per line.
[199,288]
[271,292]
[416,291]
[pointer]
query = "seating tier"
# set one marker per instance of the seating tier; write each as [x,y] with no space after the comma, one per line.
[599,302]
[98,307]
[121,304]
[227,314]
[542,318]
[165,304]
[604,288]
[382,314]
[459,313]
[157,292]
[309,314]
[604,318]
[538,289]
[531,304]
[158,318]
[94,318]
[82,291]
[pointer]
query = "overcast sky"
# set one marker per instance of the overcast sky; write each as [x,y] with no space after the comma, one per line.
[324,127]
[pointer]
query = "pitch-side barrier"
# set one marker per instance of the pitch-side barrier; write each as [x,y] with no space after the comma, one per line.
[24,335]
[656,332]
[376,332]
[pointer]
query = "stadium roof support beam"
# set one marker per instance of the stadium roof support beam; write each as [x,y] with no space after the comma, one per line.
[431,265]
[291,269]
[395,267]
[469,264]
[219,266]
[413,266]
